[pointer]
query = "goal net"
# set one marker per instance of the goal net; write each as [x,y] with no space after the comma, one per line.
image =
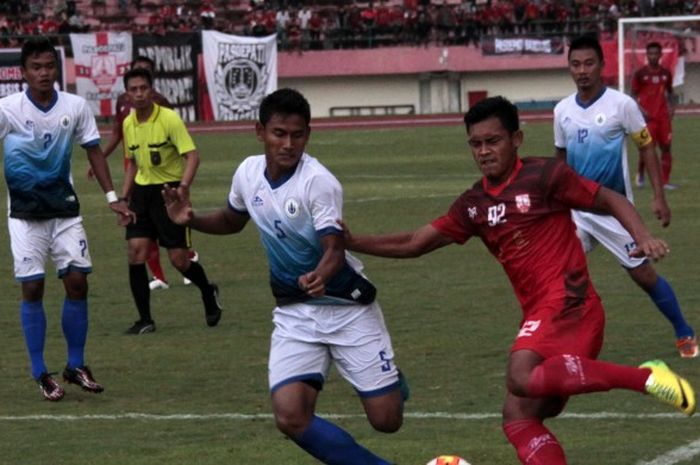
[676,34]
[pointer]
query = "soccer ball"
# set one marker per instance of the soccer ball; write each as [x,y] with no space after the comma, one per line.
[448,460]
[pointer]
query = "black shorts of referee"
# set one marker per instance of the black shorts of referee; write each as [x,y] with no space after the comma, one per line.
[152,219]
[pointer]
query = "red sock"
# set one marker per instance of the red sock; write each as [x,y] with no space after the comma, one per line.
[153,261]
[534,443]
[566,375]
[666,161]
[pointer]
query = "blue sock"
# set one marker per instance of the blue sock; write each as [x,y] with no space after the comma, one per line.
[665,299]
[74,321]
[34,325]
[334,446]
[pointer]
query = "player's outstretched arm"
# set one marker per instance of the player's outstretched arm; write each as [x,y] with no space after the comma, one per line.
[397,245]
[180,211]
[658,204]
[610,202]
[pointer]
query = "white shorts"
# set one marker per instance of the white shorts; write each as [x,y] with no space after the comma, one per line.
[307,338]
[63,239]
[592,229]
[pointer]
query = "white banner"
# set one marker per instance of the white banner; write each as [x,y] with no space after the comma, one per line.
[101,59]
[240,72]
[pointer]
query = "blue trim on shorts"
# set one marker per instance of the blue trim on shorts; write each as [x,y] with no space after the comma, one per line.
[69,268]
[34,277]
[378,392]
[306,377]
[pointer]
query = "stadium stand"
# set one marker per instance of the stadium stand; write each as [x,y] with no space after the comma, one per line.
[323,24]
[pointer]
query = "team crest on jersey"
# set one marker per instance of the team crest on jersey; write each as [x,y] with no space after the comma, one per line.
[291,208]
[600,119]
[522,202]
[471,211]
[64,122]
[29,124]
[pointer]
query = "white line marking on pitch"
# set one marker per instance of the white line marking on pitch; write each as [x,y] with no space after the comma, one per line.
[678,455]
[264,416]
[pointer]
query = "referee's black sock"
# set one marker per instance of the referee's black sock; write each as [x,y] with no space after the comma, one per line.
[138,280]
[197,275]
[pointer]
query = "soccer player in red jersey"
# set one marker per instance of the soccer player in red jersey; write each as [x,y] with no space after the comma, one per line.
[521,210]
[652,85]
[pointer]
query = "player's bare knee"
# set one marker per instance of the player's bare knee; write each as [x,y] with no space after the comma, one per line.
[644,275]
[388,423]
[291,424]
[180,260]
[517,384]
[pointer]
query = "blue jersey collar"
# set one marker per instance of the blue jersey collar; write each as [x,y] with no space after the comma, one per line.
[284,178]
[585,105]
[52,103]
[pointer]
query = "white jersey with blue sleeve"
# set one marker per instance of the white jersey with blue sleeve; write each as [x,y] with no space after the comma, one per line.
[593,135]
[292,215]
[38,143]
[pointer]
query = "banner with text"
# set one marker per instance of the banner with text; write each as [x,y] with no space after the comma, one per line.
[239,71]
[11,75]
[521,45]
[101,59]
[175,74]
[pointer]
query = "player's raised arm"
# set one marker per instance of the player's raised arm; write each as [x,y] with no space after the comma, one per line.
[397,245]
[222,221]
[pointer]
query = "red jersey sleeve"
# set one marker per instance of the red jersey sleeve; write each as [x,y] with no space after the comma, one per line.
[569,188]
[636,82]
[455,223]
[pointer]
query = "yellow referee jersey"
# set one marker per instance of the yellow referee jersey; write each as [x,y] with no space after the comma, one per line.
[157,145]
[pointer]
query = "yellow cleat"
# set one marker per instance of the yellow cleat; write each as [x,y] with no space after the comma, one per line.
[668,387]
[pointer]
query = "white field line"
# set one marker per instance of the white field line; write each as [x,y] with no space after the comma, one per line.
[525,117]
[414,415]
[678,455]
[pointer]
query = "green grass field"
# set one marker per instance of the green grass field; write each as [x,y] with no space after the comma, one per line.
[194,395]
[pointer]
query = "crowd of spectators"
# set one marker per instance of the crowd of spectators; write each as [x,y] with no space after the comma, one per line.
[313,25]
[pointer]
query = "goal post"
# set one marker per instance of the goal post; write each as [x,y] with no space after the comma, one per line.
[625,23]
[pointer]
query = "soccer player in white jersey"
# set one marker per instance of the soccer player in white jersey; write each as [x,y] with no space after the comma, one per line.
[326,309]
[590,127]
[38,128]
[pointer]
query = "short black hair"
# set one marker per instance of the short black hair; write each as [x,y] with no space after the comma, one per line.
[284,101]
[654,45]
[138,72]
[145,59]
[35,46]
[499,107]
[586,42]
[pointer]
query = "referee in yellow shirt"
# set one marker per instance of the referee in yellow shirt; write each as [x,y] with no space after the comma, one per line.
[161,152]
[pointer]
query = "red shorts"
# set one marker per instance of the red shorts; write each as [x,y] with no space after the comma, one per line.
[549,331]
[660,130]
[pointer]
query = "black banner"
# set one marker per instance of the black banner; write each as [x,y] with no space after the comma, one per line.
[11,75]
[522,45]
[175,56]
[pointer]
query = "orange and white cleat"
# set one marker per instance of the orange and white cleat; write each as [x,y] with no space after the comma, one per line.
[687,346]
